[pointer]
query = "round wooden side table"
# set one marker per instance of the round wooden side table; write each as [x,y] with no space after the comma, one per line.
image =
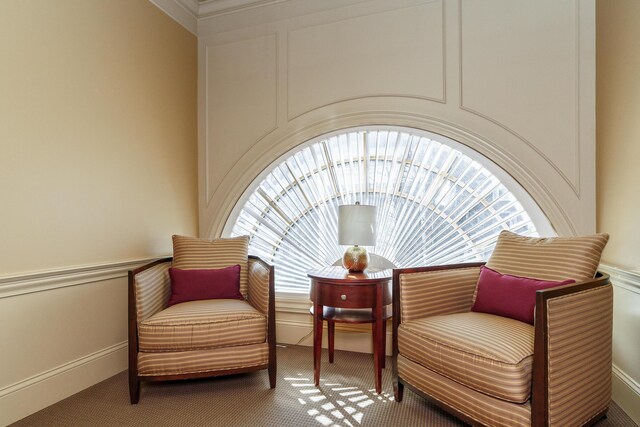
[340,296]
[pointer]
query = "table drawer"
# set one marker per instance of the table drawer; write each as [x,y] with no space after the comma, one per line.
[350,296]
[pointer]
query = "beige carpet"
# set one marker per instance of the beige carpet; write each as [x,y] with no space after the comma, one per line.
[345,398]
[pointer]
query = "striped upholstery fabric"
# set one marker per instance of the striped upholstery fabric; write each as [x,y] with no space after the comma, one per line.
[432,293]
[183,362]
[197,325]
[480,407]
[551,258]
[190,253]
[258,286]
[152,289]
[491,354]
[579,335]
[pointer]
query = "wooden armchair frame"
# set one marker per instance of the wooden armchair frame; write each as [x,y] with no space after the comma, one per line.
[540,397]
[134,378]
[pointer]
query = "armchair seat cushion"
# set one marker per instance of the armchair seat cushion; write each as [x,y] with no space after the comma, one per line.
[205,324]
[488,353]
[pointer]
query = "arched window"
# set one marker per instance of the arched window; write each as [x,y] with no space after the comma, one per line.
[436,204]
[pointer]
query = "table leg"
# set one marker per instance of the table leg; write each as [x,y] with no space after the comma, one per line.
[331,326]
[384,344]
[317,342]
[378,351]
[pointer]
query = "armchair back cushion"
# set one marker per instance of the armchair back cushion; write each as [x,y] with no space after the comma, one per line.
[190,253]
[548,258]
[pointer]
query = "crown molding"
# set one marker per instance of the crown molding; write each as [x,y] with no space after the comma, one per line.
[209,8]
[184,12]
[188,12]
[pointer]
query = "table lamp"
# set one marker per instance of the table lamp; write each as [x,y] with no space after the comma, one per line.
[356,226]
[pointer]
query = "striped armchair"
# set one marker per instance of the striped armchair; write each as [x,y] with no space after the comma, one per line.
[199,338]
[496,371]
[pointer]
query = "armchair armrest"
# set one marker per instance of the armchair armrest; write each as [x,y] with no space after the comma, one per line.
[262,296]
[149,288]
[431,291]
[261,292]
[572,352]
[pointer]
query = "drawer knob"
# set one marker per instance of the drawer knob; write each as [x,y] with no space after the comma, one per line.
[343,297]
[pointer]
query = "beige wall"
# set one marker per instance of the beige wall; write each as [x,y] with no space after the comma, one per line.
[618,129]
[97,132]
[618,183]
[98,159]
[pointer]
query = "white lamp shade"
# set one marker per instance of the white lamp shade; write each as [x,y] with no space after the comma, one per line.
[357,225]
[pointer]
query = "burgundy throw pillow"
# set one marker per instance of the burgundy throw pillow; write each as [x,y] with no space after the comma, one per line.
[509,296]
[193,285]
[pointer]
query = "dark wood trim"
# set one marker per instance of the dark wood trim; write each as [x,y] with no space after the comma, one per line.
[339,296]
[271,321]
[134,380]
[540,374]
[398,386]
[600,415]
[449,409]
[539,393]
[398,271]
[149,265]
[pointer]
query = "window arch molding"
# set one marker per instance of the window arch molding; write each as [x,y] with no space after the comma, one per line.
[220,203]
[246,214]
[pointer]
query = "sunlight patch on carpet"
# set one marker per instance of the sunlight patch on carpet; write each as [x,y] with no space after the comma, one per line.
[338,404]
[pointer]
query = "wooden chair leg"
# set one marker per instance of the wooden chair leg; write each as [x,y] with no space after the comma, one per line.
[272,375]
[134,390]
[398,391]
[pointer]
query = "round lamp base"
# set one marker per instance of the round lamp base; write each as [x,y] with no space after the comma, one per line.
[355,259]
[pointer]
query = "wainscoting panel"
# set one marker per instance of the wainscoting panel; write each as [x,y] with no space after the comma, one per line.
[67,330]
[626,339]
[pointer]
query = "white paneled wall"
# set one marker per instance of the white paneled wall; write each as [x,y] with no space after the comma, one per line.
[513,80]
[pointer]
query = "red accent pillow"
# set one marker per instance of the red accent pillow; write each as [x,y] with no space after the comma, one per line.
[193,285]
[509,296]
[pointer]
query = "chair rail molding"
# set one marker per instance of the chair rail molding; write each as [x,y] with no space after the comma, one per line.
[627,279]
[25,283]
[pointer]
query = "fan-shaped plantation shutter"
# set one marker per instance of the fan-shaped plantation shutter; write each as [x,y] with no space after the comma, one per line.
[436,205]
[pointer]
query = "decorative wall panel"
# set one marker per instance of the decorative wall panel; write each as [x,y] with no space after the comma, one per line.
[513,80]
[519,69]
[393,53]
[240,102]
